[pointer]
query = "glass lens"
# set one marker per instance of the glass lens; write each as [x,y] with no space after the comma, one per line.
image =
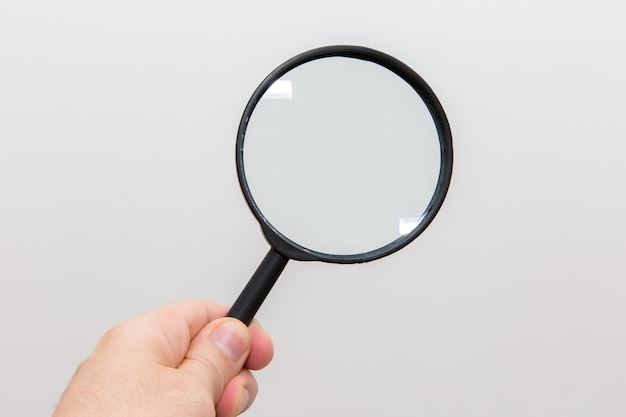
[341,156]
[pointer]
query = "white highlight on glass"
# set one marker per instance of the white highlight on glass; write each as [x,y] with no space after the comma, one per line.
[407,224]
[280,90]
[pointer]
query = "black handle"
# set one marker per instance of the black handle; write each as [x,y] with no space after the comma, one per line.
[253,295]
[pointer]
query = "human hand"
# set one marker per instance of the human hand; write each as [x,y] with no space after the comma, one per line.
[184,359]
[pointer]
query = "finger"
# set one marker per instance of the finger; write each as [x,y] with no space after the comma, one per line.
[238,395]
[217,354]
[162,335]
[262,349]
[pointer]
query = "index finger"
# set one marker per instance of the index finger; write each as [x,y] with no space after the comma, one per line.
[162,335]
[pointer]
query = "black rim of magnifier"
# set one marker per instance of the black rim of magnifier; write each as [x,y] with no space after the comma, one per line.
[292,250]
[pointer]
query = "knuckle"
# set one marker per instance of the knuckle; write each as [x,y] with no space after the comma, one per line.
[209,367]
[184,390]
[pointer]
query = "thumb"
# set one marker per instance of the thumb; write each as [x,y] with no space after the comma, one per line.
[216,354]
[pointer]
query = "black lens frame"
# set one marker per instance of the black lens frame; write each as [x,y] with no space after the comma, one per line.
[292,250]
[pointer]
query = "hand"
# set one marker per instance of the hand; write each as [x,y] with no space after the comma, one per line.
[184,359]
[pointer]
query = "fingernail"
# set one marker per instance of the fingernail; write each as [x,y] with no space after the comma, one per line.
[229,339]
[244,403]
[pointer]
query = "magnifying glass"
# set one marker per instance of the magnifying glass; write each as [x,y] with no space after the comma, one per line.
[344,155]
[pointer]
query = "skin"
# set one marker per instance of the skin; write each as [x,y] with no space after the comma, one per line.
[183,359]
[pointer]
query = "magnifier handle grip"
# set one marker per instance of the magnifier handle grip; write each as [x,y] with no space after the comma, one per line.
[262,281]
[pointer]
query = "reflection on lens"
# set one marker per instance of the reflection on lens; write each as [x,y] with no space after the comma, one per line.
[281,90]
[407,224]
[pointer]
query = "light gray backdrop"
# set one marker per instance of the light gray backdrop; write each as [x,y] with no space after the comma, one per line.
[118,194]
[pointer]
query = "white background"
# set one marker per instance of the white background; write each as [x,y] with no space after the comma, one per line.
[118,194]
